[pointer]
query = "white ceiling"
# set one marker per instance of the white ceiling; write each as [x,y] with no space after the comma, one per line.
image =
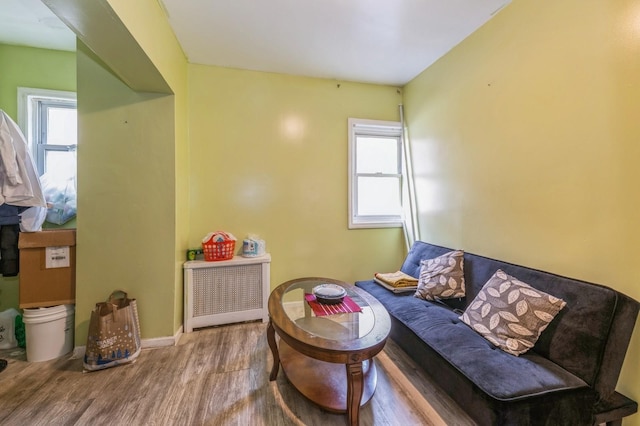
[375,41]
[31,23]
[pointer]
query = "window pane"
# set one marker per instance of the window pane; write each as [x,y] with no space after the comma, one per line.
[62,126]
[378,196]
[376,155]
[60,162]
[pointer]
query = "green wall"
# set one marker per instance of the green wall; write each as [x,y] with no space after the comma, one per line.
[283,141]
[525,143]
[132,169]
[268,156]
[148,193]
[126,198]
[30,67]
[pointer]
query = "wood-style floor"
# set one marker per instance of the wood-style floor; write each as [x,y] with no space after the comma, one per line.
[214,376]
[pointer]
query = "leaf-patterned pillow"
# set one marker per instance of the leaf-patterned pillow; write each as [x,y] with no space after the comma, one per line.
[511,314]
[442,277]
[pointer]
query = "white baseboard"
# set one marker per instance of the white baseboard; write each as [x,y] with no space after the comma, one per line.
[156,342]
[78,352]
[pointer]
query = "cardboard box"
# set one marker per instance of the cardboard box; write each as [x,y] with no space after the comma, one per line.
[47,268]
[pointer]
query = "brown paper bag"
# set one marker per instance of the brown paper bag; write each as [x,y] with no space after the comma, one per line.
[114,333]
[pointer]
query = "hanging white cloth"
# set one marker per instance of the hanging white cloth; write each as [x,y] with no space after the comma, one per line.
[19,182]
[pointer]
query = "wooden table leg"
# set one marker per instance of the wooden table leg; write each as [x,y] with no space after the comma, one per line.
[271,339]
[355,385]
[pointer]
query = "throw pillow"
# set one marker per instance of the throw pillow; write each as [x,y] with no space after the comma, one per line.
[442,277]
[510,313]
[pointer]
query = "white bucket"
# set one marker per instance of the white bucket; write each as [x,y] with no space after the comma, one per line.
[49,332]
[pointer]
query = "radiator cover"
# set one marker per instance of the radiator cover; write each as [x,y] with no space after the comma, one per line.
[226,291]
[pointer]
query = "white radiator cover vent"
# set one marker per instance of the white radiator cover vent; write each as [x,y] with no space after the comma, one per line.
[226,291]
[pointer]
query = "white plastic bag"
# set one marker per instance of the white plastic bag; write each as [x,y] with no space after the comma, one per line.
[8,329]
[60,194]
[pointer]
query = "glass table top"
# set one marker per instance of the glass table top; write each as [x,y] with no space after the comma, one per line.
[340,326]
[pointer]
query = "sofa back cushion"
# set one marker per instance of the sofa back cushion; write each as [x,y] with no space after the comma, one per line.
[576,339]
[419,251]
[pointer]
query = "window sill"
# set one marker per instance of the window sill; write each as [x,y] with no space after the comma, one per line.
[368,225]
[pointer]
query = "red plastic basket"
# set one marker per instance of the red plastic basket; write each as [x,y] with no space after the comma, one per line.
[218,250]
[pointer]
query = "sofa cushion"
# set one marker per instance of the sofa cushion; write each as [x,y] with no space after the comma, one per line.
[420,251]
[499,375]
[442,277]
[510,313]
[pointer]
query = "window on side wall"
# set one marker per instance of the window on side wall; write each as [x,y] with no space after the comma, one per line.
[375,174]
[49,120]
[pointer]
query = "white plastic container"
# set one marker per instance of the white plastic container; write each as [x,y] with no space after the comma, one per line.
[49,332]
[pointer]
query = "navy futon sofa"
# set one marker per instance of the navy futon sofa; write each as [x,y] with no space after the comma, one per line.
[568,378]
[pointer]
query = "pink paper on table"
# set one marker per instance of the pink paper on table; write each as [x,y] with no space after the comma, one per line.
[320,309]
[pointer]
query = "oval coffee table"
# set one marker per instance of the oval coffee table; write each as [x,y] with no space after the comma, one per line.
[314,350]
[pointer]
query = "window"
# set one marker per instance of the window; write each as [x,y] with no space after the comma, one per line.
[49,120]
[375,174]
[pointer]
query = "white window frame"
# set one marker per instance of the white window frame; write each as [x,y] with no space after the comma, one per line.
[28,99]
[358,127]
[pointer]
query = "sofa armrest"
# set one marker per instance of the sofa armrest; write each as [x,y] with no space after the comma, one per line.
[612,410]
[622,326]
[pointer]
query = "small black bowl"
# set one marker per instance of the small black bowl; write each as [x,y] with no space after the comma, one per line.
[330,300]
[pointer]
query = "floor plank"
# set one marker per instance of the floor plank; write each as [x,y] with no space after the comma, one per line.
[214,376]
